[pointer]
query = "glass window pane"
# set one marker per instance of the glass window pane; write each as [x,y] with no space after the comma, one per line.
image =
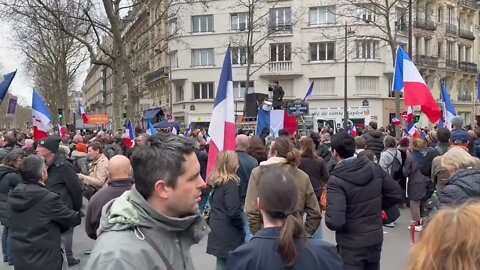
[204,90]
[313,16]
[330,51]
[210,90]
[288,52]
[322,51]
[273,52]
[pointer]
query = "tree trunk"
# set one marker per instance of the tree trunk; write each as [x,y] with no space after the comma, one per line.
[117,104]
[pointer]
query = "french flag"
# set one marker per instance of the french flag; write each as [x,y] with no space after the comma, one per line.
[409,114]
[41,117]
[187,132]
[309,91]
[353,131]
[407,79]
[61,131]
[129,136]
[151,131]
[222,125]
[448,109]
[395,121]
[412,130]
[275,120]
[5,84]
[81,111]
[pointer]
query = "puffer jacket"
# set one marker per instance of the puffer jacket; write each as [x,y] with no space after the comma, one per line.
[9,179]
[307,201]
[125,223]
[357,192]
[464,185]
[374,142]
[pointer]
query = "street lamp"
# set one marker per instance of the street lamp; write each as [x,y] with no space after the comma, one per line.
[345,89]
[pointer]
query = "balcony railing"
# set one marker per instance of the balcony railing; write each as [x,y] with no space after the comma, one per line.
[451,29]
[157,75]
[280,66]
[451,64]
[466,34]
[467,67]
[425,24]
[426,61]
[464,98]
[468,3]
[280,27]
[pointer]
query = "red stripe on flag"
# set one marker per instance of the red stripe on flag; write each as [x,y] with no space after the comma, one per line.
[229,142]
[39,134]
[418,94]
[289,122]
[212,157]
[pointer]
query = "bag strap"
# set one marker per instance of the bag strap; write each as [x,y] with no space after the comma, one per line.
[159,251]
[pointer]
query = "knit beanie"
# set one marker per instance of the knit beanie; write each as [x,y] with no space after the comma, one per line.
[51,143]
[81,147]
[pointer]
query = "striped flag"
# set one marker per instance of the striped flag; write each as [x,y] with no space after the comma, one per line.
[150,129]
[309,91]
[129,136]
[448,109]
[222,124]
[82,113]
[5,84]
[395,121]
[41,117]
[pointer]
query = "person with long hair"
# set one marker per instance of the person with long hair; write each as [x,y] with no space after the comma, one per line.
[315,167]
[283,241]
[282,156]
[256,148]
[225,219]
[450,241]
[417,182]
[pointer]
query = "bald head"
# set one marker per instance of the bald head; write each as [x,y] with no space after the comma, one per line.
[242,142]
[119,167]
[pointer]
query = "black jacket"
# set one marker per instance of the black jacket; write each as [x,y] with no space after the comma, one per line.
[226,221]
[38,217]
[261,254]
[9,179]
[246,164]
[464,185]
[374,142]
[114,189]
[63,180]
[357,192]
[317,171]
[432,153]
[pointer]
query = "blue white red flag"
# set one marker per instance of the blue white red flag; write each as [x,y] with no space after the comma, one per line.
[448,108]
[61,131]
[222,124]
[396,121]
[353,130]
[82,113]
[41,117]
[129,136]
[5,82]
[409,114]
[275,120]
[174,131]
[187,132]
[309,91]
[416,93]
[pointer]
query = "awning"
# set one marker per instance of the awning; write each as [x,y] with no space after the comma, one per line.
[151,113]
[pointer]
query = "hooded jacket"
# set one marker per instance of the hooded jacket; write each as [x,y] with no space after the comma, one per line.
[79,161]
[307,201]
[125,223]
[374,142]
[464,185]
[357,192]
[418,184]
[9,179]
[39,217]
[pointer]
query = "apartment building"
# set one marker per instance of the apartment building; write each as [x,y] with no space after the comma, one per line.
[298,42]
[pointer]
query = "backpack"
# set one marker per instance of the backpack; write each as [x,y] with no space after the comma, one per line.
[76,166]
[396,170]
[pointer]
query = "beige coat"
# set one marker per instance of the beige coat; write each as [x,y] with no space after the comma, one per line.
[98,172]
[307,201]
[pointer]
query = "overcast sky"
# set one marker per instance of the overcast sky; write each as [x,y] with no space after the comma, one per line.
[12,59]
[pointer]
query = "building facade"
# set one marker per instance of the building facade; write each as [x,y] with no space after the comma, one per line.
[300,42]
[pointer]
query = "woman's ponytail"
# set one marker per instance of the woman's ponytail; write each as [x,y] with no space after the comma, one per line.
[291,231]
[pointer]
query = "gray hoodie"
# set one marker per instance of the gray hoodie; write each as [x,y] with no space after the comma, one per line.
[124,224]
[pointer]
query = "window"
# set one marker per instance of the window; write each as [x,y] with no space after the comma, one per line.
[367,49]
[450,50]
[401,22]
[322,15]
[324,86]
[203,90]
[174,59]
[239,88]
[322,51]
[287,86]
[366,85]
[460,55]
[240,56]
[280,52]
[239,21]
[179,93]
[202,57]
[280,19]
[418,47]
[173,25]
[450,15]
[428,45]
[439,15]
[202,24]
[468,54]
[366,13]
[439,49]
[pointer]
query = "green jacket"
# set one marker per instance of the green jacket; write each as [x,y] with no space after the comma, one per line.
[124,224]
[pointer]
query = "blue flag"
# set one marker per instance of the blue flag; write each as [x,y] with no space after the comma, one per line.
[5,84]
[309,92]
[150,129]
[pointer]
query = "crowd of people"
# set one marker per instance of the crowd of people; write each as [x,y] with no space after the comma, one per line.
[261,207]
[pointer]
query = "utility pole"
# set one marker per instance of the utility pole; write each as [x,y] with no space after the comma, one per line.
[345,89]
